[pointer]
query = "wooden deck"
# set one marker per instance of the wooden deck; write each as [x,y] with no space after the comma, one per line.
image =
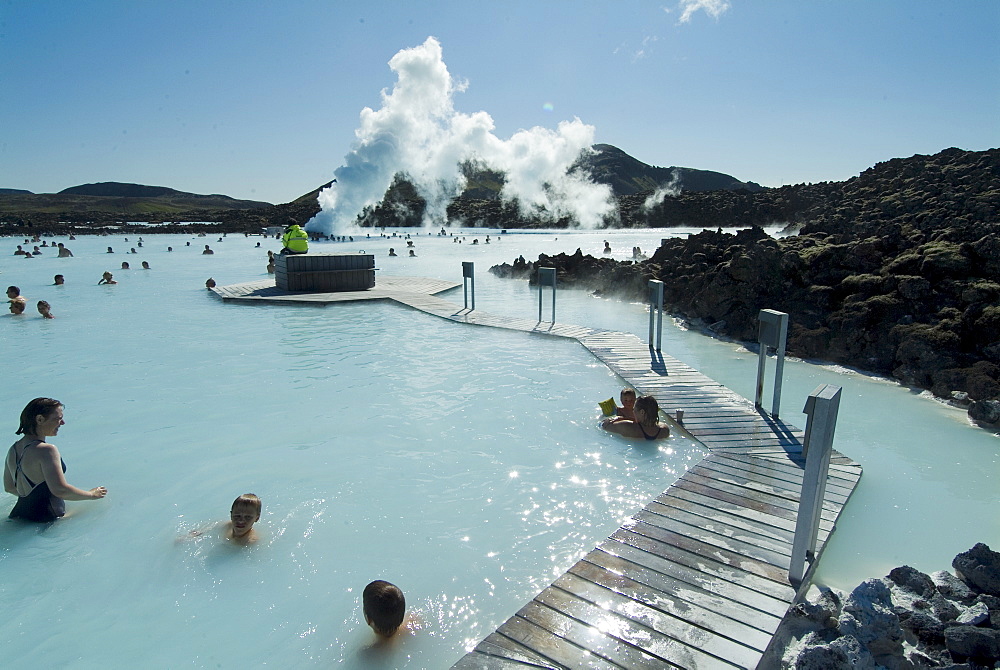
[696,579]
[387,288]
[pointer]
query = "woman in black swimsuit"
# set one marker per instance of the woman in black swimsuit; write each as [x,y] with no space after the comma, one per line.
[34,470]
[646,425]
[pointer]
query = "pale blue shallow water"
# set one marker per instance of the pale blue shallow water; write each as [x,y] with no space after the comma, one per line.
[462,463]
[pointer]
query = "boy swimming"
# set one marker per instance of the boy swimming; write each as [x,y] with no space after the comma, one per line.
[244,513]
[384,608]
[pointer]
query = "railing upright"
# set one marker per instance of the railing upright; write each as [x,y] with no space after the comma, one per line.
[655,307]
[822,407]
[546,277]
[772,332]
[469,278]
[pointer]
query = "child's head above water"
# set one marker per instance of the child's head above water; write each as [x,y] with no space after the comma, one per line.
[627,397]
[244,513]
[384,607]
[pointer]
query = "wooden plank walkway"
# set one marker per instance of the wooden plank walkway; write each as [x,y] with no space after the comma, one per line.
[696,579]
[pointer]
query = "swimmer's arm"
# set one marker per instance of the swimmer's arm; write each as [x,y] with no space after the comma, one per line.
[615,425]
[198,532]
[8,482]
[51,465]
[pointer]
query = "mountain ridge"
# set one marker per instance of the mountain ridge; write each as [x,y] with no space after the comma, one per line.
[120,198]
[627,175]
[610,165]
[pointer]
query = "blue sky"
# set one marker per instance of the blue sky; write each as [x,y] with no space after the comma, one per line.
[260,100]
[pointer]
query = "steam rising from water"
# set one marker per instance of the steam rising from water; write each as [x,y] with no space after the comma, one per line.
[418,133]
[672,188]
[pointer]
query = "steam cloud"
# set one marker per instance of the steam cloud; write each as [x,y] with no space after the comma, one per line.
[418,133]
[672,188]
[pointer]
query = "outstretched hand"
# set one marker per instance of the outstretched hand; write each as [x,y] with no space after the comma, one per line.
[99,492]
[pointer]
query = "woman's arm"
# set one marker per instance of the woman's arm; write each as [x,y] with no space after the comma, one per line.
[618,426]
[8,481]
[51,464]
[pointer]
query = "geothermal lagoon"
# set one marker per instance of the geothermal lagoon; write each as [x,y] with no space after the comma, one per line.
[464,464]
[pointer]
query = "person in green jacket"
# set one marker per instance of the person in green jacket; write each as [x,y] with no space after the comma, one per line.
[295,240]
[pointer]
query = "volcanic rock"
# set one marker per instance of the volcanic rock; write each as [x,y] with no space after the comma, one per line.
[980,569]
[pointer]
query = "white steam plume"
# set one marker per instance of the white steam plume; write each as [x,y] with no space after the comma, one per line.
[418,133]
[671,188]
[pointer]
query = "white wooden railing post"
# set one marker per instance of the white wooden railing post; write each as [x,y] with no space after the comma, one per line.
[772,332]
[469,277]
[655,307]
[822,407]
[546,277]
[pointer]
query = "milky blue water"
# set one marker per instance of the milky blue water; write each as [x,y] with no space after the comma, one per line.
[464,464]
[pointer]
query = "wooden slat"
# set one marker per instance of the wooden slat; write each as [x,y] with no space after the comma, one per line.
[616,592]
[680,591]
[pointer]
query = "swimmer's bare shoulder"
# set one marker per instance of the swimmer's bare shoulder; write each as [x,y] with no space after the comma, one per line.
[412,623]
[228,534]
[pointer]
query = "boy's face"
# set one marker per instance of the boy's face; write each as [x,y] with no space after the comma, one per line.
[628,400]
[243,518]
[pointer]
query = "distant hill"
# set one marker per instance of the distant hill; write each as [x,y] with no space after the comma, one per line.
[114,189]
[120,199]
[623,173]
[5,191]
[627,175]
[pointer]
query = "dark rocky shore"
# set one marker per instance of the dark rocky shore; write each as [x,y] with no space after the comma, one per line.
[905,620]
[895,272]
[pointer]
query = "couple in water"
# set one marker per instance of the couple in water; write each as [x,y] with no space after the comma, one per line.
[638,418]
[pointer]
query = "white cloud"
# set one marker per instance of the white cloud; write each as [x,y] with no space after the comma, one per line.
[417,132]
[714,8]
[643,50]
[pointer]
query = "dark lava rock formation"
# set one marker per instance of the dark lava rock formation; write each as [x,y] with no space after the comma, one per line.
[907,619]
[896,271]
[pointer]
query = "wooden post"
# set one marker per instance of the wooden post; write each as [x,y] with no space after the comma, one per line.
[468,273]
[822,407]
[546,277]
[772,332]
[655,306]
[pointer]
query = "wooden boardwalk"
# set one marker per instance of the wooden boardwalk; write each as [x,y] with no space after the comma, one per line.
[696,579]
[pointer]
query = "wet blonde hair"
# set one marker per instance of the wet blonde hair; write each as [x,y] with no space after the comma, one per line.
[248,500]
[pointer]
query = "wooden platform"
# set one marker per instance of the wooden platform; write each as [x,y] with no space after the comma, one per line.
[387,288]
[696,579]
